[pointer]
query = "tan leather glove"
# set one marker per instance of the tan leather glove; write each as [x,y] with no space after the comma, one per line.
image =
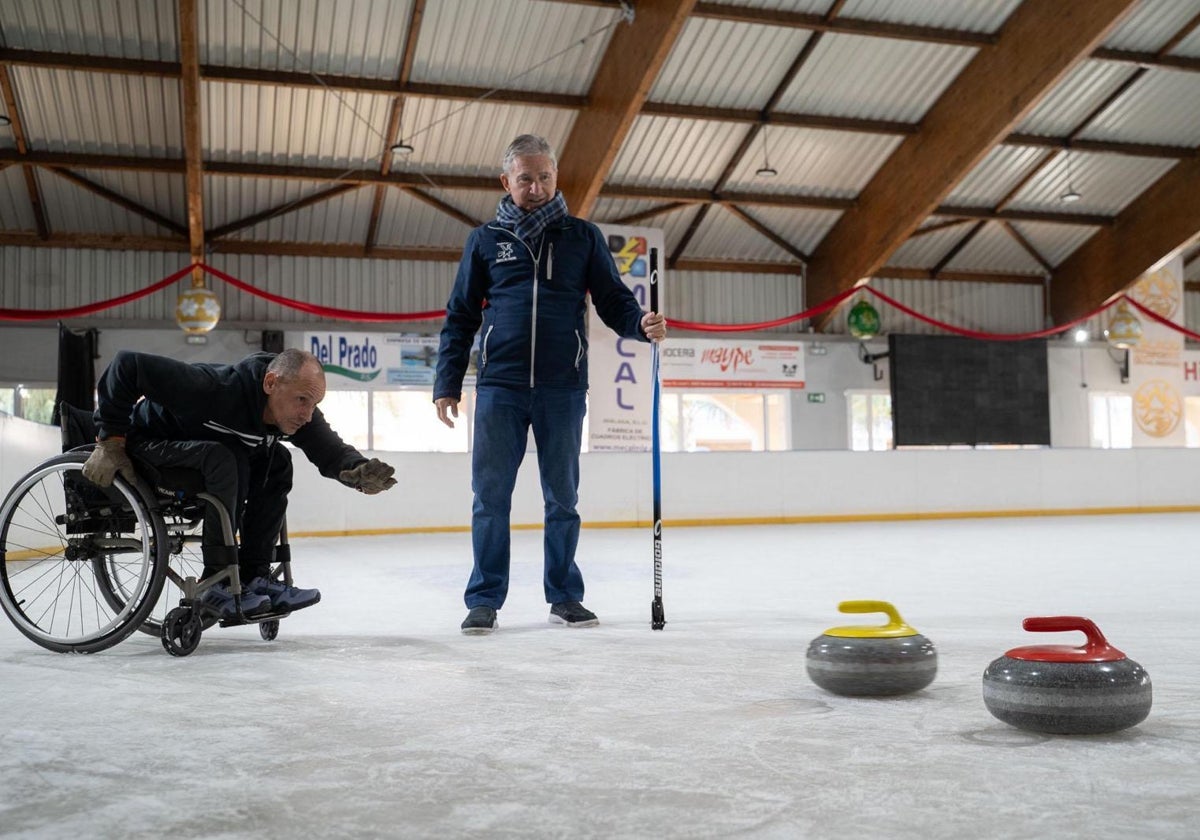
[369,477]
[106,460]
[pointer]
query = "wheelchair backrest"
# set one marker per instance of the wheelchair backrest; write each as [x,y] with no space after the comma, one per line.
[77,425]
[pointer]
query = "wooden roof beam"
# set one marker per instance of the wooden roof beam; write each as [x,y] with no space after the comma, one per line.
[636,52]
[189,53]
[18,130]
[1040,43]
[394,115]
[120,200]
[1163,219]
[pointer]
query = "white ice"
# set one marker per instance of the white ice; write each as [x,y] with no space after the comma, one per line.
[372,716]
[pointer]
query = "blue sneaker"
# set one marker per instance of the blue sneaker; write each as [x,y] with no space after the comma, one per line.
[219,599]
[283,598]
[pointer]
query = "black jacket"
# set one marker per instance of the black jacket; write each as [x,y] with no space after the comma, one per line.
[207,402]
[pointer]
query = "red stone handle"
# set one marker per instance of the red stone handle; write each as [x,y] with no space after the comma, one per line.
[1096,643]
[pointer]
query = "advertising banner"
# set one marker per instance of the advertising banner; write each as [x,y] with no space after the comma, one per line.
[724,363]
[620,391]
[1156,361]
[370,361]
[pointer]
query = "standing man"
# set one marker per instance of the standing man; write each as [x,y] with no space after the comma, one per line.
[227,422]
[524,278]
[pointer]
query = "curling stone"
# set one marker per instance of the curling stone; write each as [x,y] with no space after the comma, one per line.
[1065,690]
[871,660]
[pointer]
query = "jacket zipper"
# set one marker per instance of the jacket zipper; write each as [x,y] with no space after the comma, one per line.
[533,321]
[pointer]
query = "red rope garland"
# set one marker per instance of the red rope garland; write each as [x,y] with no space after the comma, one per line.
[91,308]
[1164,321]
[324,311]
[763,325]
[359,315]
[983,335]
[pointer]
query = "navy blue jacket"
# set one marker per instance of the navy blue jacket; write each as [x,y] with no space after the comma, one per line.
[207,402]
[531,304]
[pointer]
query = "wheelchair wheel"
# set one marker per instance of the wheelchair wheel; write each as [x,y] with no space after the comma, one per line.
[54,527]
[117,577]
[268,629]
[181,629]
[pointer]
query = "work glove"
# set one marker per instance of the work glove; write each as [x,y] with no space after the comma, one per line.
[106,460]
[369,477]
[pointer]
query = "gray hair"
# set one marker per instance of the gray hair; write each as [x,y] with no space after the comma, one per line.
[525,146]
[289,364]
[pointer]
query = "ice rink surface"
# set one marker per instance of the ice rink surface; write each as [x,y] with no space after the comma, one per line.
[373,716]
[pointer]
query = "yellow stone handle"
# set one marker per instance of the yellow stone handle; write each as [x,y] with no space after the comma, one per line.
[895,626]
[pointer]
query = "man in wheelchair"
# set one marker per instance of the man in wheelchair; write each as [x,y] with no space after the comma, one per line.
[226,422]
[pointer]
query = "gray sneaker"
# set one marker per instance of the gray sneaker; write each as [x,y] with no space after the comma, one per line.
[479,621]
[219,600]
[572,614]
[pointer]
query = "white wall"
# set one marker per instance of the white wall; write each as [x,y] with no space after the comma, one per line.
[434,489]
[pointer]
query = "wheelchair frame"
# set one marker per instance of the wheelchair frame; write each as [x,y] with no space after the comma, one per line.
[82,567]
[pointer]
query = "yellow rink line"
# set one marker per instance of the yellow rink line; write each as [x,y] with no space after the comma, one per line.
[780,520]
[34,554]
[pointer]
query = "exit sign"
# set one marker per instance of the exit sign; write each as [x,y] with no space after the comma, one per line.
[817,397]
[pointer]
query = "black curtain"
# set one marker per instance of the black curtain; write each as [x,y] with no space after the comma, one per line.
[77,354]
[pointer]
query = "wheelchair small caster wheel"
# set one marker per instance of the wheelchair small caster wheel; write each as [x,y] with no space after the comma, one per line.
[181,631]
[269,629]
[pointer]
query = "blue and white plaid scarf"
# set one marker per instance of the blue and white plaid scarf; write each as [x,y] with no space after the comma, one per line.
[528,225]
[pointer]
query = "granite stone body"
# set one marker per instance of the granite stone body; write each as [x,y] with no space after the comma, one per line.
[1067,698]
[871,666]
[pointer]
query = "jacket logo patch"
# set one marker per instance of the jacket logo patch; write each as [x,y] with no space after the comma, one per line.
[505,252]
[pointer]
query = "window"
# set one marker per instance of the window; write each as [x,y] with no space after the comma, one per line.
[32,403]
[869,420]
[399,421]
[1191,421]
[729,421]
[1111,420]
[407,421]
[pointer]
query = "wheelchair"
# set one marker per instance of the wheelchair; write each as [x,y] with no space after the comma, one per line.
[85,567]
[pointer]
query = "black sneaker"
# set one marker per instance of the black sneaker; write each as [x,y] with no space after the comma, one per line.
[572,614]
[479,621]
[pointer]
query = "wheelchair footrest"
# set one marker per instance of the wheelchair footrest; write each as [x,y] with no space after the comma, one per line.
[258,618]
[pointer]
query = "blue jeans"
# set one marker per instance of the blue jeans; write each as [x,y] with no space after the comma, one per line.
[503,417]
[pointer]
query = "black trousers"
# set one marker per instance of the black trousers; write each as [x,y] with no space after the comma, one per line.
[252,484]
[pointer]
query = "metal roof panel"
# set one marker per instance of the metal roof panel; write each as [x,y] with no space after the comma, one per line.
[727,64]
[469,138]
[145,29]
[874,78]
[724,236]
[965,15]
[552,47]
[668,151]
[1150,25]
[16,213]
[813,161]
[362,38]
[99,113]
[1163,108]
[1105,182]
[1081,91]
[300,126]
[994,176]
[1055,242]
[994,249]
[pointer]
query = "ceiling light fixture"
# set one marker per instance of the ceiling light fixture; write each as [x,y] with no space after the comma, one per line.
[4,121]
[766,170]
[1071,195]
[402,148]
